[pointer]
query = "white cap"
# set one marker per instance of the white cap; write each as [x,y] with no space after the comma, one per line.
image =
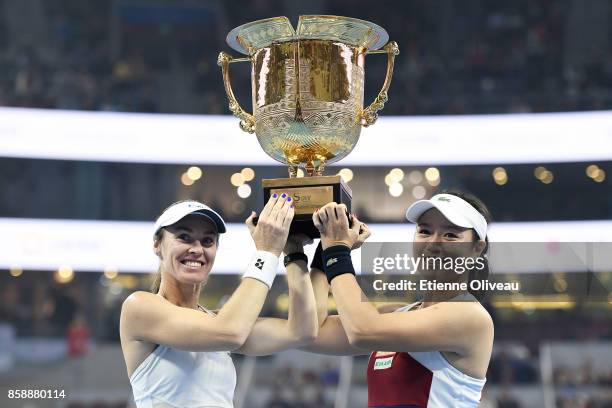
[180,210]
[455,209]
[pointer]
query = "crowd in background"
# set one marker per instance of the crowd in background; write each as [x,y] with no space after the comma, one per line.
[481,57]
[43,309]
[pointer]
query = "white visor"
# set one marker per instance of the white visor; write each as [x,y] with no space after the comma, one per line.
[455,209]
[180,210]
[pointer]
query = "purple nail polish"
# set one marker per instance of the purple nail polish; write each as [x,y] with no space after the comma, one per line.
[274,195]
[284,195]
[289,199]
[292,206]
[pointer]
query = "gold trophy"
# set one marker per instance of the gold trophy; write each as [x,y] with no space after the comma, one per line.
[307,92]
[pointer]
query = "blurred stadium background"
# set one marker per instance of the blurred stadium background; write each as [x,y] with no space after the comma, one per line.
[103,123]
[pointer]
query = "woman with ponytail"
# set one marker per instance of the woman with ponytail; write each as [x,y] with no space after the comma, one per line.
[177,352]
[432,353]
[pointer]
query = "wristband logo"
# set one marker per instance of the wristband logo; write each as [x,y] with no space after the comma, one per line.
[259,264]
[331,261]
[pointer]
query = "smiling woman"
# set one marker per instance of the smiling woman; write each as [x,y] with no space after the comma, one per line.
[177,352]
[184,232]
[432,353]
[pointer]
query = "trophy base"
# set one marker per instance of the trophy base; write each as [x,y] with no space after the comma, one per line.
[309,194]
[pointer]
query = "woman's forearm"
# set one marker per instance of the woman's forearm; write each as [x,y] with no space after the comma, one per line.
[320,287]
[239,313]
[302,316]
[358,317]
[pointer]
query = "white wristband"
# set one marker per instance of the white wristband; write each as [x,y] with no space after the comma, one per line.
[262,267]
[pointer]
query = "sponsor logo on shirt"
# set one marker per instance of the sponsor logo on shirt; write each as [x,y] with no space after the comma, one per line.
[383,363]
[386,360]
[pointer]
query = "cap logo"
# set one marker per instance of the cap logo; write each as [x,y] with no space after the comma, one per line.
[444,199]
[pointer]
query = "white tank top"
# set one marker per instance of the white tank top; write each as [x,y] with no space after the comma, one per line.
[449,386]
[170,378]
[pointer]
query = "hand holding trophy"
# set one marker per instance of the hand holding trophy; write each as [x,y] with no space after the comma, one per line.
[307,93]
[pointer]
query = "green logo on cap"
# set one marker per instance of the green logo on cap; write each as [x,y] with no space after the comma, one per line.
[444,199]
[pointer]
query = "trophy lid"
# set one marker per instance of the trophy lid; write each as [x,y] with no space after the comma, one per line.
[255,35]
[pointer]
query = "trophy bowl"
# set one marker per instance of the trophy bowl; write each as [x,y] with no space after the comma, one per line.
[307,94]
[307,86]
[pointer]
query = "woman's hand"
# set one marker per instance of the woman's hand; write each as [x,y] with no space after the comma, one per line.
[270,233]
[332,222]
[364,233]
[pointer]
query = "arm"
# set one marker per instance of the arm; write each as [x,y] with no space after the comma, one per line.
[151,318]
[148,317]
[443,327]
[390,307]
[331,338]
[270,335]
[320,288]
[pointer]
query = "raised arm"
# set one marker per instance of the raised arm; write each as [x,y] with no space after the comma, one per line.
[445,326]
[151,318]
[332,338]
[270,335]
[320,287]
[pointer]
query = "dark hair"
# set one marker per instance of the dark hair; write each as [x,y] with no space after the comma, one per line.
[157,237]
[476,274]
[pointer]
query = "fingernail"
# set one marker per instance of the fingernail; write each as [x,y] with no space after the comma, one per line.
[291,206]
[274,195]
[289,199]
[284,195]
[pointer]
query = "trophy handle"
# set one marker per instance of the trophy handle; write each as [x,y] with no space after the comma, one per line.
[247,121]
[370,114]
